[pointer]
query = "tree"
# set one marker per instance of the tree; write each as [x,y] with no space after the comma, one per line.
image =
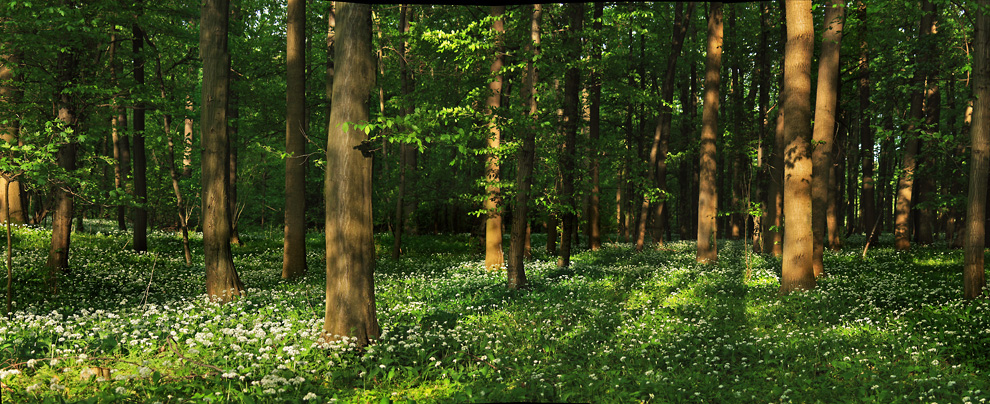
[494,259]
[404,202]
[797,271]
[708,195]
[67,66]
[294,246]
[140,157]
[868,219]
[350,253]
[516,272]
[571,116]
[594,134]
[824,128]
[222,280]
[657,169]
[12,195]
[974,273]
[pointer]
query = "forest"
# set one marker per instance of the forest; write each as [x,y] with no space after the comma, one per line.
[315,201]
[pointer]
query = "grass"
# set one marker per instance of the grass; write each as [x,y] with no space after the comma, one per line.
[616,326]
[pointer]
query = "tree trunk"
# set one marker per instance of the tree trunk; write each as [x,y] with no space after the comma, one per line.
[140,159]
[121,146]
[657,168]
[824,129]
[867,202]
[798,272]
[494,259]
[594,130]
[974,273]
[524,174]
[222,280]
[833,215]
[12,197]
[926,180]
[58,255]
[761,194]
[294,244]
[572,116]
[708,193]
[407,152]
[350,249]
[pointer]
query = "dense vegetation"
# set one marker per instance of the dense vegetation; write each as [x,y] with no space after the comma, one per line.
[614,327]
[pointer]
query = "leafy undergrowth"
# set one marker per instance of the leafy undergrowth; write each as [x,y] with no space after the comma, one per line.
[616,326]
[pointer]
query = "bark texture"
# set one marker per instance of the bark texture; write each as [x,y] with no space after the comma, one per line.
[974,273]
[824,129]
[708,193]
[494,258]
[294,244]
[797,271]
[350,249]
[222,280]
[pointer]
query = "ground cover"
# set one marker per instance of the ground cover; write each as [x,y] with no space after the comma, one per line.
[617,326]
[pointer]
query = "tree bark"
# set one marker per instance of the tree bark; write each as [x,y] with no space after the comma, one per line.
[761,194]
[974,272]
[572,116]
[222,280]
[708,193]
[594,132]
[140,234]
[404,203]
[494,259]
[932,108]
[350,249]
[58,256]
[797,272]
[121,145]
[12,196]
[657,168]
[867,201]
[824,128]
[516,273]
[294,244]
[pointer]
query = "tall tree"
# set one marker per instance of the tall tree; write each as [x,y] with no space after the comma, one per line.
[594,133]
[708,193]
[824,129]
[905,183]
[11,196]
[121,144]
[657,169]
[797,271]
[67,65]
[294,245]
[868,218]
[222,281]
[140,158]
[350,249]
[404,203]
[572,115]
[494,258]
[524,174]
[974,273]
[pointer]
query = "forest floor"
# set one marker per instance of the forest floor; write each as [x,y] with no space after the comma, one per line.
[617,326]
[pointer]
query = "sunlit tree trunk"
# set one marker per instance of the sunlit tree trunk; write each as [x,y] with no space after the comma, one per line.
[350,249]
[140,159]
[708,193]
[974,272]
[294,244]
[222,280]
[67,66]
[11,196]
[824,129]
[494,259]
[524,174]
[797,272]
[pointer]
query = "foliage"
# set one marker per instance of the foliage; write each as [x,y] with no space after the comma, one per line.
[616,326]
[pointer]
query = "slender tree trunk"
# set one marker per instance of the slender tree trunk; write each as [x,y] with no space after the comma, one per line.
[12,197]
[708,195]
[294,245]
[974,272]
[824,129]
[867,202]
[140,158]
[657,168]
[524,174]
[222,280]
[572,115]
[121,146]
[58,255]
[932,109]
[594,130]
[798,271]
[833,218]
[350,249]
[174,175]
[761,222]
[494,259]
[405,202]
